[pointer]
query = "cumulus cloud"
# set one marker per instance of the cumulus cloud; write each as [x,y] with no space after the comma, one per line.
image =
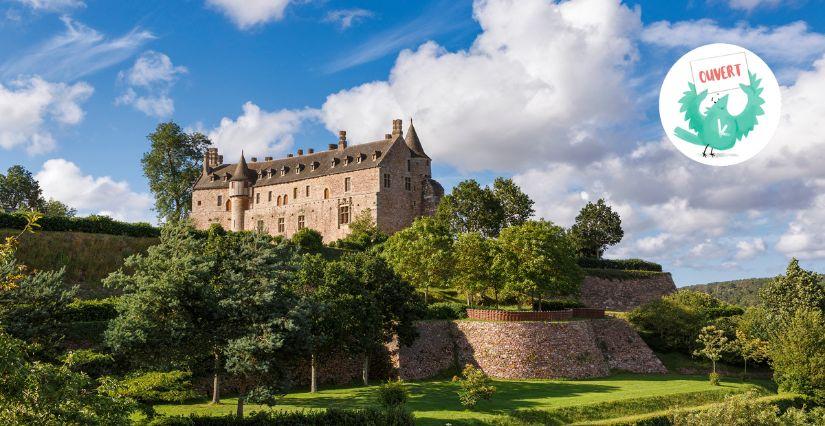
[749,5]
[805,236]
[52,5]
[538,83]
[29,108]
[748,249]
[246,14]
[258,132]
[345,18]
[64,181]
[77,52]
[153,74]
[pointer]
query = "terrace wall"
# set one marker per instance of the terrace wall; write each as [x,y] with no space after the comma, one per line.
[624,294]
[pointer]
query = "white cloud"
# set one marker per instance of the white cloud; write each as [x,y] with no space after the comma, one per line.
[805,236]
[258,132]
[246,14]
[346,17]
[747,249]
[77,52]
[64,181]
[52,5]
[790,44]
[30,107]
[749,5]
[538,83]
[153,74]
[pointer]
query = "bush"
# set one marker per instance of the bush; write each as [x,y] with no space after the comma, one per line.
[713,378]
[556,305]
[91,310]
[91,224]
[446,311]
[475,386]
[798,355]
[330,416]
[159,387]
[309,240]
[742,409]
[622,264]
[392,394]
[93,363]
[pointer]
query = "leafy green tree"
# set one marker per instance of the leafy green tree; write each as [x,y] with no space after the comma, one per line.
[712,343]
[473,254]
[471,208]
[364,233]
[172,165]
[54,208]
[475,386]
[308,240]
[421,254]
[798,355]
[797,289]
[597,227]
[19,190]
[536,259]
[751,349]
[189,296]
[517,206]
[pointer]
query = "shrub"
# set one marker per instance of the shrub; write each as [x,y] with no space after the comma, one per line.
[159,387]
[556,305]
[713,378]
[394,393]
[446,311]
[309,240]
[798,355]
[91,224]
[330,416]
[91,310]
[742,409]
[622,264]
[93,363]
[475,386]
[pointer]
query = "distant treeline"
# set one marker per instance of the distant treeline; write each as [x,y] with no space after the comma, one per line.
[744,292]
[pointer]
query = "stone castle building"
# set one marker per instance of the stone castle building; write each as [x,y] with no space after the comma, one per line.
[324,190]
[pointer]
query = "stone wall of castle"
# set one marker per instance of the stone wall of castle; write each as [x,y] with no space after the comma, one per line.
[624,294]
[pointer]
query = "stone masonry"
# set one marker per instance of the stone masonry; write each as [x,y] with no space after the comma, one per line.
[624,294]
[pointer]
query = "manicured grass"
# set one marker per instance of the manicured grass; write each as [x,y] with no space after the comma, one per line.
[436,403]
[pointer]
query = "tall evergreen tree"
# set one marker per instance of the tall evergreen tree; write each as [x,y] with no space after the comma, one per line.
[172,165]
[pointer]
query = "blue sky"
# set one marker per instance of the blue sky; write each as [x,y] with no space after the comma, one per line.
[560,96]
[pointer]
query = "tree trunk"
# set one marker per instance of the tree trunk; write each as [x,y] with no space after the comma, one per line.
[495,295]
[713,362]
[216,380]
[365,371]
[313,381]
[745,373]
[426,294]
[469,300]
[239,412]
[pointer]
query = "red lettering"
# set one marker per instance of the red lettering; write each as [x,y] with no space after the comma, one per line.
[702,77]
[737,70]
[717,74]
[721,73]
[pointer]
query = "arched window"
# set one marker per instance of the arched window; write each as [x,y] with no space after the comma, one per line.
[286,199]
[228,205]
[278,202]
[326,193]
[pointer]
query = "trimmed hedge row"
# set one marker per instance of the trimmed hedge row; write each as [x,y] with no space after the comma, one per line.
[617,274]
[91,224]
[330,416]
[446,311]
[621,264]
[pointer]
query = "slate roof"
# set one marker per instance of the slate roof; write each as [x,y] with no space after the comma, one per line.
[413,142]
[346,160]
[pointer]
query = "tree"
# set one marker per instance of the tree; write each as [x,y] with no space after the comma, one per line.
[517,206]
[472,255]
[751,349]
[172,165]
[308,240]
[536,259]
[798,355]
[712,343]
[797,289]
[189,296]
[471,208]
[364,233]
[597,227]
[54,208]
[421,254]
[19,190]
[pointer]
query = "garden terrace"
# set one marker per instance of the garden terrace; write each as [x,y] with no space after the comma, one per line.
[563,315]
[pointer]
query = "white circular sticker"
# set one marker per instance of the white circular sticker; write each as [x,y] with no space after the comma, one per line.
[719,104]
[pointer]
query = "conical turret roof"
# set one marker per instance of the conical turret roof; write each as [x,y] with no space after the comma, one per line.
[413,142]
[241,170]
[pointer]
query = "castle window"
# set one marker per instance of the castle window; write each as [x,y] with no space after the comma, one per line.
[347,184]
[407,183]
[199,202]
[269,197]
[333,162]
[226,177]
[298,168]
[326,193]
[387,181]
[347,160]
[343,215]
[301,222]
[295,193]
[313,166]
[286,199]
[260,227]
[279,200]
[307,191]
[283,171]
[358,159]
[220,200]
[257,198]
[228,205]
[281,225]
[375,155]
[409,165]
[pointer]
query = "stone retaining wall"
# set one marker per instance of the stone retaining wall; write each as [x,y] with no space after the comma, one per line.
[565,315]
[624,294]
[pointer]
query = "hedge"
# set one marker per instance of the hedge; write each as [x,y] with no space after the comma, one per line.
[446,311]
[91,310]
[91,224]
[330,416]
[618,274]
[621,264]
[557,305]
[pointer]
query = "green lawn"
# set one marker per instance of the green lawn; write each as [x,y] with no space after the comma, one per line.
[435,402]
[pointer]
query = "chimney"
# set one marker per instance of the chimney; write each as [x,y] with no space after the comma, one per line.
[254,159]
[220,159]
[267,158]
[300,152]
[396,128]
[311,151]
[289,156]
[342,139]
[332,147]
[387,136]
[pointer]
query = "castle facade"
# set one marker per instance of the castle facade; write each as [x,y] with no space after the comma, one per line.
[391,178]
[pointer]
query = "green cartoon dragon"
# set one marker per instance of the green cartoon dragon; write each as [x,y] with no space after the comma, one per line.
[717,128]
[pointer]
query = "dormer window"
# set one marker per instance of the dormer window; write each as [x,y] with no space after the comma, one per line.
[314,165]
[376,155]
[226,177]
[284,169]
[298,168]
[347,160]
[333,162]
[359,158]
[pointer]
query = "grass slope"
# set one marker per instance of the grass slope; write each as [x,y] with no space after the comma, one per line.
[436,403]
[743,292]
[88,258]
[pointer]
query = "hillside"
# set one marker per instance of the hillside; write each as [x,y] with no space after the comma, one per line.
[88,258]
[744,292]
